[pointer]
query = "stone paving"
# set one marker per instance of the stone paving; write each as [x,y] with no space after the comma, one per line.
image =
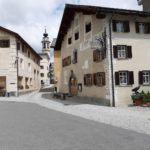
[133,118]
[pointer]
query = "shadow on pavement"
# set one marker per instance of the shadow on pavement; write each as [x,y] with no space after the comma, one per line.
[68,100]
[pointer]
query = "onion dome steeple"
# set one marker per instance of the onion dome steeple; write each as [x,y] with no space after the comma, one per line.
[45,43]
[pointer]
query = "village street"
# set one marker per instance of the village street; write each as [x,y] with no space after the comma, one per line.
[26,124]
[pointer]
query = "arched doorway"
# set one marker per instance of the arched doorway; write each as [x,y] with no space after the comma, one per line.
[73,85]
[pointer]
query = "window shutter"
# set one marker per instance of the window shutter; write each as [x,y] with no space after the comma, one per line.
[103,77]
[129,51]
[94,79]
[127,27]
[131,78]
[84,79]
[137,27]
[140,77]
[117,78]
[94,55]
[115,51]
[114,25]
[148,27]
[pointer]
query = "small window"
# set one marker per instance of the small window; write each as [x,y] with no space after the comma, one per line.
[142,27]
[99,79]
[69,40]
[18,46]
[122,51]
[23,48]
[42,67]
[4,43]
[42,74]
[88,80]
[76,35]
[87,27]
[66,61]
[28,54]
[98,55]
[144,77]
[121,26]
[75,57]
[124,78]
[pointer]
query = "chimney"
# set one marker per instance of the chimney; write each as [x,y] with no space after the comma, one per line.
[145,3]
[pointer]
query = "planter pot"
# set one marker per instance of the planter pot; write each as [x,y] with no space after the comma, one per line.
[138,102]
[147,104]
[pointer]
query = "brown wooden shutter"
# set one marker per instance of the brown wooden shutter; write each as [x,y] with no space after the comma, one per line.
[117,78]
[91,76]
[130,78]
[129,52]
[126,25]
[103,77]
[114,25]
[148,27]
[140,77]
[115,50]
[94,79]
[84,79]
[137,27]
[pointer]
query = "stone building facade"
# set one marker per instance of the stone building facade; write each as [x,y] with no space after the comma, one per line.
[104,53]
[19,64]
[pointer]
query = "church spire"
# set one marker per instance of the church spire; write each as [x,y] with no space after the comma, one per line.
[45,43]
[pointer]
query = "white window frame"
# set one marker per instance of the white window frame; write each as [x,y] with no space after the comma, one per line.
[121,51]
[146,77]
[120,26]
[123,78]
[141,27]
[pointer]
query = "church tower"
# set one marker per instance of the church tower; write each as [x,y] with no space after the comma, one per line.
[45,43]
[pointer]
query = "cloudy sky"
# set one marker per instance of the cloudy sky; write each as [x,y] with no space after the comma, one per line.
[29,17]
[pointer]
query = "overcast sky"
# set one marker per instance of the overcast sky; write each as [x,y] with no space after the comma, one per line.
[29,17]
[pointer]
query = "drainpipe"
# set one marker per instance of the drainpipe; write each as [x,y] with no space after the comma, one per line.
[17,61]
[111,62]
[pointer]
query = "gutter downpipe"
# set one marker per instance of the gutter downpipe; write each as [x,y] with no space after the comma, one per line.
[17,61]
[111,62]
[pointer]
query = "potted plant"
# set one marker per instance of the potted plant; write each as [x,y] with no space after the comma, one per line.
[146,98]
[137,99]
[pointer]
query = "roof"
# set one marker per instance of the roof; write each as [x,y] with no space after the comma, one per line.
[21,39]
[53,43]
[70,11]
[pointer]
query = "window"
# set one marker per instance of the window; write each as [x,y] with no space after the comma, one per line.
[42,74]
[23,48]
[122,51]
[75,57]
[99,79]
[76,35]
[69,40]
[142,27]
[124,78]
[98,55]
[18,46]
[4,43]
[66,61]
[144,77]
[29,67]
[88,80]
[87,27]
[121,26]
[28,54]
[42,67]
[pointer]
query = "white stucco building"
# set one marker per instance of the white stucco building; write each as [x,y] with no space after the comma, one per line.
[19,64]
[45,61]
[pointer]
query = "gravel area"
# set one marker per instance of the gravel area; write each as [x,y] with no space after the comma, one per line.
[132,118]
